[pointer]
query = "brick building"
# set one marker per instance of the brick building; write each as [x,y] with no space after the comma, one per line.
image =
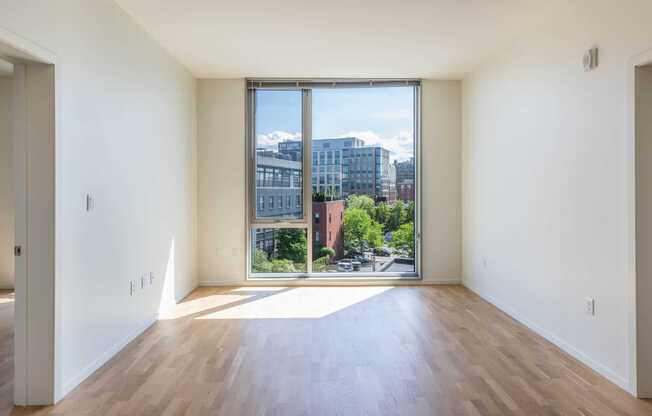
[405,174]
[327,225]
[405,190]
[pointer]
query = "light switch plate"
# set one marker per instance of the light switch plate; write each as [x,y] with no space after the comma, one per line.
[90,202]
[589,306]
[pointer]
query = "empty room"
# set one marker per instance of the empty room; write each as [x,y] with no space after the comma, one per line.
[434,207]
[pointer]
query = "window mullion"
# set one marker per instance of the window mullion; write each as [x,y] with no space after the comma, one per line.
[306,138]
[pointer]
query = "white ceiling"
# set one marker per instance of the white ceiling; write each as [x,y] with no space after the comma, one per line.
[335,38]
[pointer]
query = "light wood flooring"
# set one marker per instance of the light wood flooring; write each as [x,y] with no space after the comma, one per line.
[340,351]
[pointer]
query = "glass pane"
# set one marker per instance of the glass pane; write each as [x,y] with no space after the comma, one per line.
[279,159]
[363,180]
[278,250]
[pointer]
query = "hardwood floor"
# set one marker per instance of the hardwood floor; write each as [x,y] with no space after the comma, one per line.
[6,351]
[342,351]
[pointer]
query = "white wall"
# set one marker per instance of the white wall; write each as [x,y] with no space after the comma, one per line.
[221,180]
[222,187]
[6,187]
[441,193]
[546,173]
[126,128]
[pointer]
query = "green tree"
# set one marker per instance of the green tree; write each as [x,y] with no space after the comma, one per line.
[397,216]
[322,251]
[355,226]
[320,264]
[403,239]
[382,214]
[375,235]
[361,202]
[259,263]
[291,244]
[360,231]
[283,266]
[410,212]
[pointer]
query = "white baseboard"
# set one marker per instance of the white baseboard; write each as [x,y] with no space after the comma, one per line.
[315,282]
[441,282]
[333,282]
[220,283]
[603,370]
[113,350]
[69,385]
[185,295]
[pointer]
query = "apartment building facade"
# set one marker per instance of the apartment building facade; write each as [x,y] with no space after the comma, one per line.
[278,187]
[327,219]
[346,166]
[405,179]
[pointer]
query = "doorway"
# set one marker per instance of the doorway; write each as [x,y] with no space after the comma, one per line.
[31,249]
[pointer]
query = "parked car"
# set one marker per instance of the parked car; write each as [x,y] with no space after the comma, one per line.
[361,259]
[344,266]
[382,252]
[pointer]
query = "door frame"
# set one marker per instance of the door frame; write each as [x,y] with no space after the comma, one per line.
[642,59]
[37,226]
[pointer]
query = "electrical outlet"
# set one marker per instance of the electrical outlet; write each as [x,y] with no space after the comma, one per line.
[589,306]
[132,287]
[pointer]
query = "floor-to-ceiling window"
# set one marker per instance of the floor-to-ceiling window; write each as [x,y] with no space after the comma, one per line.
[333,178]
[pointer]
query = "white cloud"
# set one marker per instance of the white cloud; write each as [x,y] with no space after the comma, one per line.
[270,140]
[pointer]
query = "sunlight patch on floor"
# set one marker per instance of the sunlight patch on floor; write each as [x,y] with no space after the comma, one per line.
[303,302]
[192,307]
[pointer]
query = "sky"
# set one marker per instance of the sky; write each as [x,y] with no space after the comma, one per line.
[381,116]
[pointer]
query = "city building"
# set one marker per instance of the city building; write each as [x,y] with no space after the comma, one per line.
[327,225]
[278,187]
[405,174]
[290,150]
[405,190]
[345,166]
[278,194]
[404,170]
[341,167]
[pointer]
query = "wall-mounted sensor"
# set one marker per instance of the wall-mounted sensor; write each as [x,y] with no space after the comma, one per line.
[90,202]
[590,59]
